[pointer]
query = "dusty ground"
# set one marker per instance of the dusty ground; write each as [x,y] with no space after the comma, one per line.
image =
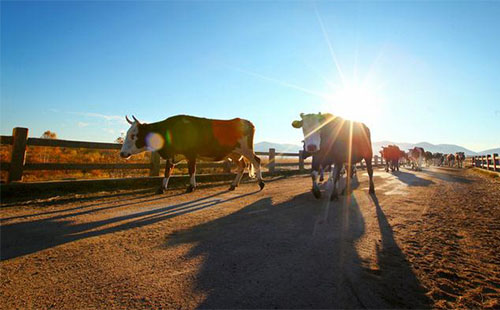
[427,239]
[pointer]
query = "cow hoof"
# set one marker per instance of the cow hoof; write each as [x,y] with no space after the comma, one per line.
[334,196]
[316,193]
[232,188]
[261,185]
[160,191]
[190,189]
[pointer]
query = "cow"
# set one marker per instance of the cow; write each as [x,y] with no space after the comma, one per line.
[438,159]
[333,140]
[451,160]
[391,154]
[189,138]
[416,156]
[428,158]
[460,157]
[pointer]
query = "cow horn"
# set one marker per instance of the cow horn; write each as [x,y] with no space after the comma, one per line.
[128,121]
[135,119]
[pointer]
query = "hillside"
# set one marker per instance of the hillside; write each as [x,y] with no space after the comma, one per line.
[441,148]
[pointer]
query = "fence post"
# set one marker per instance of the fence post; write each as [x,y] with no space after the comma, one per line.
[482,161]
[17,156]
[272,164]
[488,161]
[227,166]
[495,161]
[375,158]
[301,160]
[154,171]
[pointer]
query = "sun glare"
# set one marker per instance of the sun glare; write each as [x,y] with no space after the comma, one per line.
[355,101]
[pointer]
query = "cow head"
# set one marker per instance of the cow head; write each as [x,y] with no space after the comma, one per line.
[311,125]
[135,140]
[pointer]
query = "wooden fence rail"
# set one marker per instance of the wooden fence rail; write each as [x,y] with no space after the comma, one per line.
[19,142]
[489,162]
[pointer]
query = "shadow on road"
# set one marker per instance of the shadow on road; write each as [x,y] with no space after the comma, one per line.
[23,238]
[298,254]
[448,175]
[411,179]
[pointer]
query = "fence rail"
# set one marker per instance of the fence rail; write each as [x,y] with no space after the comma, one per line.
[19,142]
[489,162]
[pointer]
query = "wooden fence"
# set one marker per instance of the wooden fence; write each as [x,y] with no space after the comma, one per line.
[19,142]
[489,162]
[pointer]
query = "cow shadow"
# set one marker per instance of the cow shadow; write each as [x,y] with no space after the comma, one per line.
[411,179]
[297,254]
[17,239]
[445,175]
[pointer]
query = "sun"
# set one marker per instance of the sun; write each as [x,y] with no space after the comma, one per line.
[355,101]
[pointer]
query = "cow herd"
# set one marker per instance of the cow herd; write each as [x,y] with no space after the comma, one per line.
[416,156]
[330,140]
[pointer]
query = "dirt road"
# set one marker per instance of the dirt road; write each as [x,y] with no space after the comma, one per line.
[427,239]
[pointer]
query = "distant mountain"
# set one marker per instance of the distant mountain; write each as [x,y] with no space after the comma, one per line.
[377,146]
[490,151]
[280,147]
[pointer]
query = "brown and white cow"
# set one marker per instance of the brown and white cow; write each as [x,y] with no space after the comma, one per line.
[184,137]
[333,140]
[416,156]
[460,157]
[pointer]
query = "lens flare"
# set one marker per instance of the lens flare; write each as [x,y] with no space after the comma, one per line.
[154,141]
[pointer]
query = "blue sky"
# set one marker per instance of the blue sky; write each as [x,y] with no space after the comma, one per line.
[413,71]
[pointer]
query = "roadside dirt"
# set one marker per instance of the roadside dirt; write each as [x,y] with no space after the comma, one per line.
[426,240]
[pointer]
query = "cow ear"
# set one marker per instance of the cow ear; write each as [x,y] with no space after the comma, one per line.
[297,124]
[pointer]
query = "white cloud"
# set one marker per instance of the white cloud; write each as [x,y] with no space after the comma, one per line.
[111,118]
[82,124]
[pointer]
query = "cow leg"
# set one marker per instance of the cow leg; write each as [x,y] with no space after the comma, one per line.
[334,178]
[254,164]
[315,187]
[369,169]
[322,174]
[192,173]
[386,166]
[241,168]
[168,172]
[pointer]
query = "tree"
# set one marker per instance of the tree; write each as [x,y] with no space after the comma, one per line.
[49,135]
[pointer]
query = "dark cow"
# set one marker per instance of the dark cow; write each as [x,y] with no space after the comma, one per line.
[451,160]
[333,140]
[460,157]
[438,159]
[391,154]
[184,137]
[428,158]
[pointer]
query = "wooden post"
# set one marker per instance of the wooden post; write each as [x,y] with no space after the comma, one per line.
[482,161]
[154,171]
[17,156]
[301,161]
[488,161]
[376,160]
[495,161]
[227,166]
[272,164]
